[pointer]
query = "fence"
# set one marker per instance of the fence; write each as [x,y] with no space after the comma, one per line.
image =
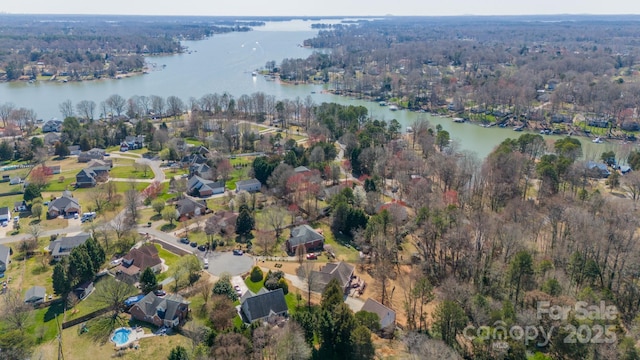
[84,318]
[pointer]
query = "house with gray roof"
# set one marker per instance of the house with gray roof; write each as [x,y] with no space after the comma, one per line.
[251,185]
[304,235]
[261,306]
[5,214]
[200,187]
[62,247]
[35,295]
[169,310]
[5,258]
[52,126]
[65,206]
[341,271]
[93,154]
[386,315]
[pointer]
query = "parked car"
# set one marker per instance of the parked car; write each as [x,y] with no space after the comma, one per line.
[312,256]
[194,244]
[184,240]
[202,248]
[238,252]
[160,292]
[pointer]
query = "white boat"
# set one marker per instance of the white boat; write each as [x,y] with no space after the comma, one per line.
[597,140]
[458,120]
[254,74]
[393,107]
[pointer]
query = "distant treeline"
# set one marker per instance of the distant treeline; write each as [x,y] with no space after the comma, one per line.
[96,46]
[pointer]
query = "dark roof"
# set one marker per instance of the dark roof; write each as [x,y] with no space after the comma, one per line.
[64,245]
[304,234]
[4,254]
[262,305]
[170,303]
[63,203]
[196,182]
[4,210]
[35,293]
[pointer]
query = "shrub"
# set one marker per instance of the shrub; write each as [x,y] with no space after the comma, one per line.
[256,274]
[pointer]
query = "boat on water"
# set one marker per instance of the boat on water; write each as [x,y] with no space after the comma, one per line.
[382,103]
[597,140]
[393,107]
[518,128]
[254,74]
[458,120]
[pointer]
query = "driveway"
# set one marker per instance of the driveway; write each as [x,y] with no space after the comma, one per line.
[237,281]
[226,262]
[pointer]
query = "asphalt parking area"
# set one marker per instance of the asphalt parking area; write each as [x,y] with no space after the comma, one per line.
[226,262]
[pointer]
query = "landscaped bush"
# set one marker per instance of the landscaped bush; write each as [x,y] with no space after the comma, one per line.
[256,274]
[276,280]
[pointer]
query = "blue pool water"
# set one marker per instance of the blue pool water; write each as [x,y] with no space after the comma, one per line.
[121,336]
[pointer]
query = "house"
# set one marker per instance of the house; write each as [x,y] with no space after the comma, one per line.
[136,261]
[35,295]
[340,271]
[124,147]
[52,126]
[598,170]
[194,158]
[301,169]
[387,316]
[5,214]
[51,138]
[86,178]
[169,310]
[20,206]
[65,206]
[133,142]
[54,169]
[93,154]
[197,186]
[62,247]
[74,150]
[201,170]
[264,304]
[5,258]
[251,185]
[188,208]
[83,290]
[15,180]
[304,235]
[225,220]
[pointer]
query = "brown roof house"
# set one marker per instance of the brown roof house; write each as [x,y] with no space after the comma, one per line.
[341,271]
[169,310]
[225,220]
[136,261]
[387,316]
[304,235]
[65,206]
[188,208]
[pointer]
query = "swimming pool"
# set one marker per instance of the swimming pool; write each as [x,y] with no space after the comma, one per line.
[121,336]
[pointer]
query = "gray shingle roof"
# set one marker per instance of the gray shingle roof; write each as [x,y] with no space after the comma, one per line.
[262,305]
[63,246]
[150,304]
[4,254]
[63,203]
[35,293]
[304,234]
[340,271]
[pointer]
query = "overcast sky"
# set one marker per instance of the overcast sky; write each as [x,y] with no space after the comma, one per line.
[320,7]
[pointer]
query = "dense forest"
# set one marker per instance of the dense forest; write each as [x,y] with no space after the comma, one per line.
[84,47]
[536,68]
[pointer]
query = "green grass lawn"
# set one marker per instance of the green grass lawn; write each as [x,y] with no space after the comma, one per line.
[130,172]
[194,142]
[237,175]
[43,327]
[123,186]
[343,253]
[9,201]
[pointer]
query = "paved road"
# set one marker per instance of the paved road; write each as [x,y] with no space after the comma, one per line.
[226,262]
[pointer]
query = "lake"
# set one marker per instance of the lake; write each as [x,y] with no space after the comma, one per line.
[223,63]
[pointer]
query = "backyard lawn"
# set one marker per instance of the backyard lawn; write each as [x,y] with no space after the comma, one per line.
[130,172]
